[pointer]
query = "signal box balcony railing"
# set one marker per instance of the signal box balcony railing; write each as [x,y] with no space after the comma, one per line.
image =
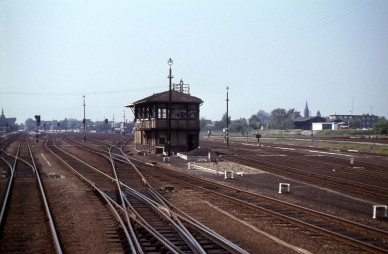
[153,124]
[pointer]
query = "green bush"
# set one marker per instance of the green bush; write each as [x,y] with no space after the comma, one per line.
[381,126]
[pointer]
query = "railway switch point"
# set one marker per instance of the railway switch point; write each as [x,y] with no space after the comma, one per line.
[384,208]
[351,162]
[229,174]
[284,185]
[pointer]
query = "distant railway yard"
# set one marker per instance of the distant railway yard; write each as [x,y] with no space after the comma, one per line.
[62,195]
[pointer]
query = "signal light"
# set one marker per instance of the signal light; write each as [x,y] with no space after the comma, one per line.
[37,118]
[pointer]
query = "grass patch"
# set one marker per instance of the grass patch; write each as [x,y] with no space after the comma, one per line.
[384,150]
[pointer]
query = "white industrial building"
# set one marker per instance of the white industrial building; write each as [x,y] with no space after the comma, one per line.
[324,126]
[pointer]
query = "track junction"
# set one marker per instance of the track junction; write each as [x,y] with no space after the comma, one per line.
[103,196]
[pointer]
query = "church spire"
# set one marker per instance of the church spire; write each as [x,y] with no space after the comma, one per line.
[306,110]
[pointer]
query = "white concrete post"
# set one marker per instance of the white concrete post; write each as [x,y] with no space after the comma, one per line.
[380,207]
[281,185]
[228,174]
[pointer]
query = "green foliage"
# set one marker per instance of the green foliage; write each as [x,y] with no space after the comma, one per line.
[349,132]
[254,122]
[381,126]
[203,124]
[384,150]
[282,119]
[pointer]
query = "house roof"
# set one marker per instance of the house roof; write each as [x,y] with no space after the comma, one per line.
[304,119]
[176,97]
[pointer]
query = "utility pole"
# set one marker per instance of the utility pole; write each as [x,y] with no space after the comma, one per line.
[227,116]
[170,77]
[124,124]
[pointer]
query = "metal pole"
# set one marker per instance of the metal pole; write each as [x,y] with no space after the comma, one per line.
[124,124]
[227,116]
[84,121]
[169,111]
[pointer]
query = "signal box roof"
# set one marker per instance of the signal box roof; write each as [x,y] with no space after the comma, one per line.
[163,97]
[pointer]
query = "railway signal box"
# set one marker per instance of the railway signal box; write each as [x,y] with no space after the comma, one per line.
[154,128]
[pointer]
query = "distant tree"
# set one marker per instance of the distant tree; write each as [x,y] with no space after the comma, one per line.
[239,125]
[64,124]
[254,122]
[282,119]
[318,113]
[219,125]
[203,124]
[263,116]
[292,113]
[381,127]
[278,115]
[30,124]
[223,119]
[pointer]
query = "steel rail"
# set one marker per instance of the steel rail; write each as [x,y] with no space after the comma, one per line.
[177,225]
[111,201]
[163,240]
[53,230]
[138,220]
[164,212]
[162,208]
[134,239]
[93,186]
[333,181]
[165,206]
[8,191]
[11,178]
[343,238]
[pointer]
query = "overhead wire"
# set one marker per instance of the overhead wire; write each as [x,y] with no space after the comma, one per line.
[78,93]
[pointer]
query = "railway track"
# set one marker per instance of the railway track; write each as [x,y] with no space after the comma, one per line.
[26,222]
[353,236]
[359,237]
[145,216]
[367,180]
[358,188]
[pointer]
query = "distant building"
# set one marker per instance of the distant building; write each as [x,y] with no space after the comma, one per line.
[152,123]
[305,123]
[324,126]
[7,124]
[365,121]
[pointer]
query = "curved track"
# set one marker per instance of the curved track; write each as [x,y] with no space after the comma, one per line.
[145,216]
[26,222]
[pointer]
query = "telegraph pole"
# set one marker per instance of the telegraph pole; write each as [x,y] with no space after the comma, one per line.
[227,116]
[113,124]
[170,77]
[124,123]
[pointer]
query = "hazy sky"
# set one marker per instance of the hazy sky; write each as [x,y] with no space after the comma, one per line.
[331,53]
